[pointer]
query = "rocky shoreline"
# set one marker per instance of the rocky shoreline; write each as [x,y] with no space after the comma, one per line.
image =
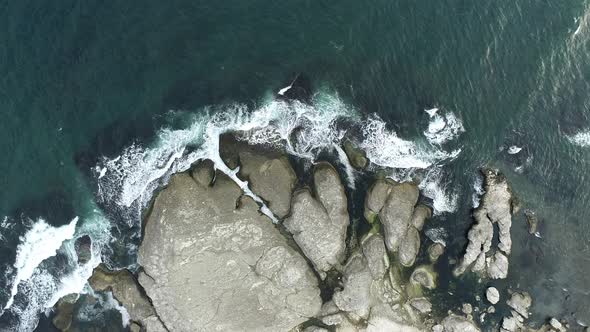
[211,261]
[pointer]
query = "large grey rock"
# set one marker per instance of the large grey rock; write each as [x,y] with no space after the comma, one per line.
[319,224]
[125,289]
[455,323]
[495,208]
[397,213]
[356,294]
[374,251]
[271,178]
[520,302]
[409,247]
[213,262]
[435,250]
[394,204]
[492,295]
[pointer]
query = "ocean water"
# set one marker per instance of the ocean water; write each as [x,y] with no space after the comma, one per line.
[101,102]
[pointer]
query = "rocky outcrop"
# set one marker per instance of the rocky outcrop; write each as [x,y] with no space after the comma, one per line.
[213,262]
[395,207]
[319,223]
[492,295]
[270,177]
[495,208]
[455,323]
[123,285]
[519,302]
[357,157]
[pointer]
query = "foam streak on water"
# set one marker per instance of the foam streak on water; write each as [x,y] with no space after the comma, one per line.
[39,243]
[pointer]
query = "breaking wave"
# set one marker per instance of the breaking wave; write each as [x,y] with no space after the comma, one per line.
[303,130]
[47,268]
[582,138]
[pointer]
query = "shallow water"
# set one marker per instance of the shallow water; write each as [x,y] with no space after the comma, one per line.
[83,81]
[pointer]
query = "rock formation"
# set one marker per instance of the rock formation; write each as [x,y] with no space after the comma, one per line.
[495,208]
[319,223]
[394,205]
[213,262]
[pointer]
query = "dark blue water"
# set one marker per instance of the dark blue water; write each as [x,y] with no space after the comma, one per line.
[83,80]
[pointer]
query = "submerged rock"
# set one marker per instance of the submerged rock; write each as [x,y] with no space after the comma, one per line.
[212,261]
[495,208]
[532,221]
[83,246]
[319,224]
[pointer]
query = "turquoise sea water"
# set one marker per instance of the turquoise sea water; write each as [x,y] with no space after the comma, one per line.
[81,80]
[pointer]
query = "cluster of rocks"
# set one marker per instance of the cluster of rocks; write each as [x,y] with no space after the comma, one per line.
[211,261]
[496,207]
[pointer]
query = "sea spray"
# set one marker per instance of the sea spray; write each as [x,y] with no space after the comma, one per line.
[38,285]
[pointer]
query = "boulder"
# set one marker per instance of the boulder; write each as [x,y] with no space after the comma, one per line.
[355,295]
[319,224]
[455,323]
[492,295]
[356,157]
[374,251]
[212,261]
[83,247]
[424,276]
[270,177]
[64,310]
[397,212]
[409,247]
[421,304]
[435,250]
[125,289]
[420,215]
[520,302]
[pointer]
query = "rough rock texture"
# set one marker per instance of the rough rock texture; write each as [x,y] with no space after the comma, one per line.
[454,323]
[492,295]
[212,262]
[126,290]
[271,178]
[357,280]
[424,276]
[495,208]
[374,250]
[435,250]
[64,312]
[395,205]
[319,224]
[357,157]
[519,302]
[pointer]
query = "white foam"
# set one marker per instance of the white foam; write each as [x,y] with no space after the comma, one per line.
[112,303]
[285,89]
[443,128]
[384,148]
[478,190]
[514,149]
[437,235]
[431,111]
[39,243]
[434,187]
[582,138]
[42,289]
[343,158]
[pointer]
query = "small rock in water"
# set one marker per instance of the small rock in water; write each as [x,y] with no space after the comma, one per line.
[556,324]
[514,149]
[467,308]
[532,220]
[421,304]
[435,250]
[83,246]
[493,295]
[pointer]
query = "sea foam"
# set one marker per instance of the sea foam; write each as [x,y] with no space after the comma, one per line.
[582,138]
[303,130]
[39,243]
